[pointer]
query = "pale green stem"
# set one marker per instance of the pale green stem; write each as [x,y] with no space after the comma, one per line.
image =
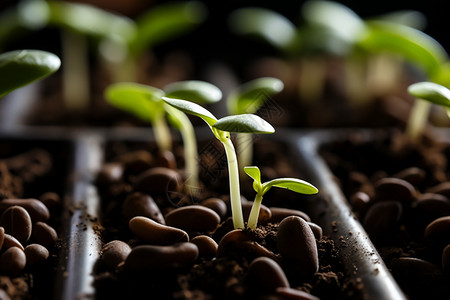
[245,150]
[190,147]
[162,134]
[76,71]
[417,119]
[254,213]
[233,173]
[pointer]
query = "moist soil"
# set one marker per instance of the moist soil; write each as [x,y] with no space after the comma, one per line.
[32,170]
[362,167]
[224,277]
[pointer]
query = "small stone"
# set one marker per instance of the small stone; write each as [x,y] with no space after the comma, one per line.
[193,218]
[265,273]
[36,253]
[114,253]
[154,233]
[17,222]
[13,261]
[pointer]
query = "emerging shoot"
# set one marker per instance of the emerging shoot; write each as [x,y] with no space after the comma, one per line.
[221,129]
[431,92]
[293,184]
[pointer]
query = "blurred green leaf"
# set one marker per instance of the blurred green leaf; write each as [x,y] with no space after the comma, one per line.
[21,67]
[193,90]
[432,92]
[244,123]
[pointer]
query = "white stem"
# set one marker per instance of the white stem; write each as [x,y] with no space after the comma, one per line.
[233,173]
[76,71]
[245,150]
[162,134]
[417,119]
[254,213]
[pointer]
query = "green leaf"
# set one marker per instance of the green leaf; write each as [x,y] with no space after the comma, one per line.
[336,17]
[413,45]
[166,21]
[432,92]
[244,123]
[293,184]
[193,90]
[21,67]
[407,17]
[89,20]
[266,24]
[249,97]
[193,109]
[254,173]
[140,100]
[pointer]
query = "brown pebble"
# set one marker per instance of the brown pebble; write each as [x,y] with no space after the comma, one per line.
[17,222]
[390,188]
[207,247]
[297,245]
[193,218]
[413,175]
[35,253]
[438,229]
[266,274]
[35,208]
[381,218]
[114,253]
[135,162]
[152,232]
[279,213]
[293,294]
[44,234]
[13,261]
[139,204]
[50,200]
[430,206]
[216,204]
[316,229]
[359,202]
[2,236]
[151,258]
[166,159]
[158,182]
[109,173]
[411,266]
[446,259]
[10,241]
[442,188]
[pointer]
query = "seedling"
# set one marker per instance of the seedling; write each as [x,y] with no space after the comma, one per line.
[293,184]
[146,103]
[248,98]
[21,67]
[433,93]
[221,128]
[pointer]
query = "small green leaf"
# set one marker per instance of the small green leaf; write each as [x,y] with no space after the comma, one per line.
[193,90]
[244,123]
[21,67]
[266,24]
[143,101]
[293,184]
[336,17]
[254,173]
[166,21]
[249,97]
[89,20]
[413,45]
[432,92]
[193,109]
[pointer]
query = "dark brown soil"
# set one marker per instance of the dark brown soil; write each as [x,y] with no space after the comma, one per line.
[360,164]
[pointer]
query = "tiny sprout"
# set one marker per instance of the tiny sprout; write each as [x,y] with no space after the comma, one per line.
[221,129]
[21,67]
[431,92]
[293,184]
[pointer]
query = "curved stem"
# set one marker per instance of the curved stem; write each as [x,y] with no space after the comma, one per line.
[254,213]
[233,173]
[417,119]
[162,134]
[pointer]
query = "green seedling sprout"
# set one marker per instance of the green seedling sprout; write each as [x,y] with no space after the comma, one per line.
[293,184]
[431,92]
[248,98]
[21,67]
[221,128]
[146,103]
